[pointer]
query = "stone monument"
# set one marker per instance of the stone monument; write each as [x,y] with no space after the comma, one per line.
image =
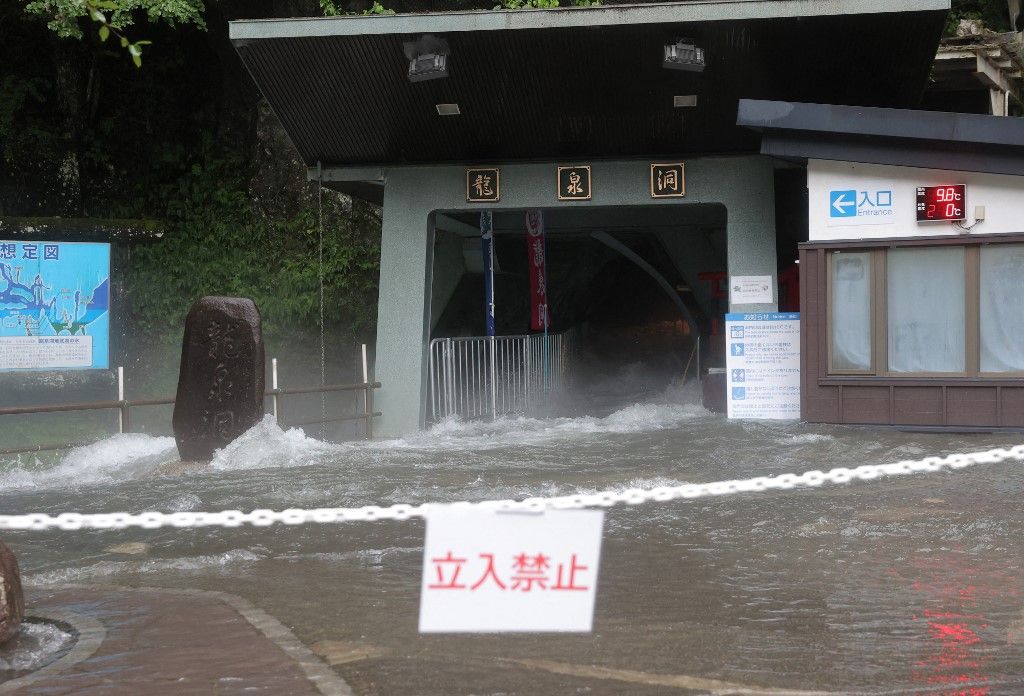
[221,381]
[12,601]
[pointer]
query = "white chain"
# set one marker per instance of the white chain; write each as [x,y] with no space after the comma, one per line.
[633,496]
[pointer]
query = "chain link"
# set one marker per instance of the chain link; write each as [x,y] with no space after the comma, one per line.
[403,511]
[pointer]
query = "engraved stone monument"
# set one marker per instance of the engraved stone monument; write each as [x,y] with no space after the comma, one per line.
[12,601]
[221,382]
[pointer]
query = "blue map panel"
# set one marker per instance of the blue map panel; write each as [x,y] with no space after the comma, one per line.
[54,305]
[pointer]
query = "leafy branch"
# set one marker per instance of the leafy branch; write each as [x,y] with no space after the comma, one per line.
[330,9]
[115,16]
[106,29]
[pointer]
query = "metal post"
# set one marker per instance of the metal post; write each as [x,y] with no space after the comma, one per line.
[698,360]
[494,378]
[273,387]
[123,416]
[367,396]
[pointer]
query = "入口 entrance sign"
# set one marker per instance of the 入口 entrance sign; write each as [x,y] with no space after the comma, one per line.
[668,180]
[483,185]
[763,365]
[861,205]
[486,571]
[574,183]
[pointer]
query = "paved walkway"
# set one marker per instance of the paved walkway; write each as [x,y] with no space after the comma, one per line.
[154,641]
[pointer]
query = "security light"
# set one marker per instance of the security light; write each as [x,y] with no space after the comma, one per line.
[684,100]
[428,58]
[429,66]
[448,110]
[684,54]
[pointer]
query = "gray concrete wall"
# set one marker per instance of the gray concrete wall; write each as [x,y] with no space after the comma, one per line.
[745,185]
[449,266]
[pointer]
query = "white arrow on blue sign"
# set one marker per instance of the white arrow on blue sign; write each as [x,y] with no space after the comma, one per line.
[842,203]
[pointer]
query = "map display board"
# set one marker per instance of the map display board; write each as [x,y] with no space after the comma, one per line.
[54,305]
[763,364]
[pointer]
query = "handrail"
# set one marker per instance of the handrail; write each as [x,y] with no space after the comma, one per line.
[166,401]
[44,448]
[82,406]
[339,419]
[124,406]
[325,388]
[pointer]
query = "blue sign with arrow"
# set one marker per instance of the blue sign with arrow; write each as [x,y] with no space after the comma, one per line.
[842,204]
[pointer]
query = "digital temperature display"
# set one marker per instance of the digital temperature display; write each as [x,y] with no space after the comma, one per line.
[941,203]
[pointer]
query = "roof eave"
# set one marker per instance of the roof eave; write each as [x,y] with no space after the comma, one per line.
[566,17]
[901,137]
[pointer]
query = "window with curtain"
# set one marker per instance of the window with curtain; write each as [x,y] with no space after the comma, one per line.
[1001,308]
[926,306]
[851,311]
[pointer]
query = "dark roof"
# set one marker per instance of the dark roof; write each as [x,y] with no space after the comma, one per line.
[578,82]
[930,139]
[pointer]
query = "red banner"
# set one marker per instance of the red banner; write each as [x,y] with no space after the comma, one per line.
[535,248]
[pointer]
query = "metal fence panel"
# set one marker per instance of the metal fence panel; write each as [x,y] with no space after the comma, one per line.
[490,376]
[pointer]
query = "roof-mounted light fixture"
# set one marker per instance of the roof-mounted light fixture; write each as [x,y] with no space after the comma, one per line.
[428,58]
[448,109]
[684,54]
[682,101]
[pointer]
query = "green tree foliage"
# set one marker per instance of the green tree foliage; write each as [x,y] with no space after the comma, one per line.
[218,244]
[113,17]
[183,141]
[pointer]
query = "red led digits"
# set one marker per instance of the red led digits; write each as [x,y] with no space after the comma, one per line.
[941,203]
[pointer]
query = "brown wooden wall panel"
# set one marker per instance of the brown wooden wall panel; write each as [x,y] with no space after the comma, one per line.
[918,405]
[898,399]
[822,406]
[865,404]
[971,406]
[1012,408]
[817,404]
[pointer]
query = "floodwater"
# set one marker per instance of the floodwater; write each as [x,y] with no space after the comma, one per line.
[897,586]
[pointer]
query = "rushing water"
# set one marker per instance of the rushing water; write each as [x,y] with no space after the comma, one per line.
[900,586]
[37,644]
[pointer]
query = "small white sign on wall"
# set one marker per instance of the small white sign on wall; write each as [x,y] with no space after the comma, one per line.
[489,572]
[751,290]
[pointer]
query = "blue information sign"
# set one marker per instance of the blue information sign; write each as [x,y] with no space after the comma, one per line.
[54,305]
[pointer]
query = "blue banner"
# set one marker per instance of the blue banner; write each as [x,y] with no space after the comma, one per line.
[487,245]
[54,305]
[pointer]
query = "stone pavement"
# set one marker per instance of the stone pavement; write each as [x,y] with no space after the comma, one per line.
[156,641]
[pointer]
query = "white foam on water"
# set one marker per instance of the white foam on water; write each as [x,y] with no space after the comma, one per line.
[216,563]
[456,434]
[807,438]
[116,458]
[266,445]
[35,645]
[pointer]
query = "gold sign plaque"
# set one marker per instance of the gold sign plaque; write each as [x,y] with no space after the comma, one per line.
[574,183]
[668,180]
[483,185]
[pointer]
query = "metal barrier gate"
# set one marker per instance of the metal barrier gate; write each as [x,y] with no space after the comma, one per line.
[491,376]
